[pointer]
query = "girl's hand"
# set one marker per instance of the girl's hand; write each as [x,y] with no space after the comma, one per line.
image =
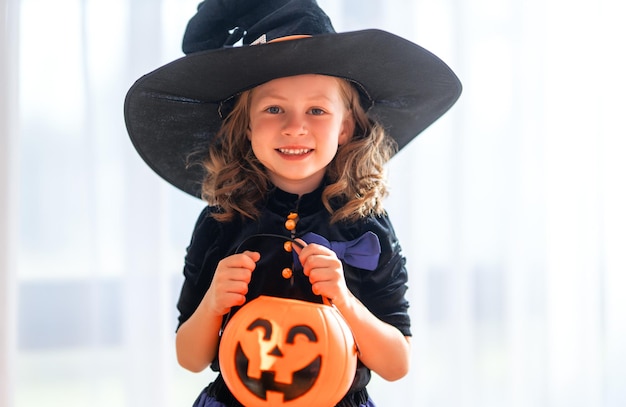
[230,282]
[382,347]
[325,272]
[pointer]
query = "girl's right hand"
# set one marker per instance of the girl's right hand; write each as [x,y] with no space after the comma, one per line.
[230,282]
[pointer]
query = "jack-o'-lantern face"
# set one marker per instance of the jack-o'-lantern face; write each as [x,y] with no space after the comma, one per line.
[286,362]
[283,352]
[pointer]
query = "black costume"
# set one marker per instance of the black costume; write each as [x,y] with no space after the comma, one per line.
[382,290]
[175,112]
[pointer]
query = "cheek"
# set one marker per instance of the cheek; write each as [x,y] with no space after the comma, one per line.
[259,133]
[257,147]
[256,141]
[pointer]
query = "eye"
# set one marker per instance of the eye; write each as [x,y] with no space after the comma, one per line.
[265,325]
[274,110]
[316,111]
[301,330]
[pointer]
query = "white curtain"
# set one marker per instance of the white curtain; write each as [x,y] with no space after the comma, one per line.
[509,208]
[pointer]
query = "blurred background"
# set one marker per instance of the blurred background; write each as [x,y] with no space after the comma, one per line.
[510,208]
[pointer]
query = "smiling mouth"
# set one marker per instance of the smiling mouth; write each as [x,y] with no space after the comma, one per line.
[302,380]
[294,151]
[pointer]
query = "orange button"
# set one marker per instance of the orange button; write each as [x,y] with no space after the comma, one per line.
[287,272]
[290,224]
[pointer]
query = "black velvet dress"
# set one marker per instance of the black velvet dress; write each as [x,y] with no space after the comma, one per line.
[381,290]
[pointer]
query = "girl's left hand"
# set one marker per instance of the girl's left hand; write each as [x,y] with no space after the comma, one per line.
[382,347]
[325,272]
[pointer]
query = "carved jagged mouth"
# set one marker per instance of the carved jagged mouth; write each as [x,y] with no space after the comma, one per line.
[302,381]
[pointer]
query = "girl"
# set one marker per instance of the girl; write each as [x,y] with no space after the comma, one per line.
[296,138]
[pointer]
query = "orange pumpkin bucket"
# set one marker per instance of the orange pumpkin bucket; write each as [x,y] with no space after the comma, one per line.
[285,352]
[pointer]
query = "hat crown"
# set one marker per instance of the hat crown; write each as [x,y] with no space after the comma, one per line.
[222,23]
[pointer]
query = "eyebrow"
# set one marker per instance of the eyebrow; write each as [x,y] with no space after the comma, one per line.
[272,95]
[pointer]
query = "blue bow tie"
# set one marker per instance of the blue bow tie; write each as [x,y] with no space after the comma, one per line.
[362,252]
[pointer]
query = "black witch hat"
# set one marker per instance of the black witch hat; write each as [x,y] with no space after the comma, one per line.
[175,110]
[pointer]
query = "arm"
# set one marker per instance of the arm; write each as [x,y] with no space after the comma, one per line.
[382,347]
[197,338]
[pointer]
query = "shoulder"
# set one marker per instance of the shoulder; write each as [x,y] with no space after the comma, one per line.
[378,224]
[206,234]
[205,226]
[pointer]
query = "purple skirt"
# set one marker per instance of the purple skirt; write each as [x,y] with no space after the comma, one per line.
[205,400]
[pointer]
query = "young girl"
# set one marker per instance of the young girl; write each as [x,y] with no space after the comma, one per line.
[295,134]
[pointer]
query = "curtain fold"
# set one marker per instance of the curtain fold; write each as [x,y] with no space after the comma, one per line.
[9,13]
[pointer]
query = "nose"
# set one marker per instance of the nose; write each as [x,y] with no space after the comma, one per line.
[276,352]
[295,124]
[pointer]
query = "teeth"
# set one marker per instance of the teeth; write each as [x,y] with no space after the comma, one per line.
[295,151]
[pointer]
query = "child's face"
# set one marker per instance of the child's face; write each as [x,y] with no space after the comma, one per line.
[296,126]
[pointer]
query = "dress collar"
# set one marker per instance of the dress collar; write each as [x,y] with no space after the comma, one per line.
[282,202]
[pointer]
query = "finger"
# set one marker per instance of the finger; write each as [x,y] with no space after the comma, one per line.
[310,250]
[230,300]
[315,289]
[254,256]
[246,260]
[324,289]
[226,274]
[320,261]
[225,296]
[231,290]
[323,275]
[299,245]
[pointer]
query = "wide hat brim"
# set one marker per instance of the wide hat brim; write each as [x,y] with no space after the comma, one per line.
[172,114]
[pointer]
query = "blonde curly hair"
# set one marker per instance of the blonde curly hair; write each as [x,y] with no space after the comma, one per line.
[237,183]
